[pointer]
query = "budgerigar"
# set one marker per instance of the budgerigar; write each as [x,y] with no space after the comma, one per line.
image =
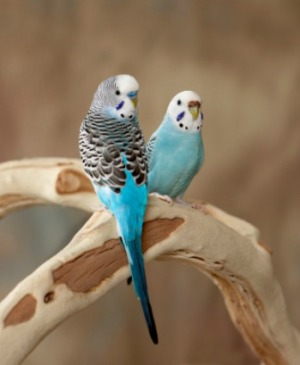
[113,153]
[175,151]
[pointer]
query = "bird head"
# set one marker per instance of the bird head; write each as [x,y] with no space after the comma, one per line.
[117,97]
[185,113]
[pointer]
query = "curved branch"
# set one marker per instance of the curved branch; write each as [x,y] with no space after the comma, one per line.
[44,181]
[223,247]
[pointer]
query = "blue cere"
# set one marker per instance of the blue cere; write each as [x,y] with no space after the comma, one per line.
[132,94]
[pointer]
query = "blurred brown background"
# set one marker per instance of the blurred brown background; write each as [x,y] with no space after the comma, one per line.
[243,58]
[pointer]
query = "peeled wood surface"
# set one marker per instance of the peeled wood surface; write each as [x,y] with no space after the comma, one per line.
[88,270]
[23,311]
[223,247]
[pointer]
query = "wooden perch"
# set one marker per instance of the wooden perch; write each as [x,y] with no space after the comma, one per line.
[45,181]
[223,247]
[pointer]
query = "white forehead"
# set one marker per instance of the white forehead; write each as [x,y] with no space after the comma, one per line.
[185,97]
[126,83]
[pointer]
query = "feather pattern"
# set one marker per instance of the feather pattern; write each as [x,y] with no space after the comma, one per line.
[102,143]
[112,149]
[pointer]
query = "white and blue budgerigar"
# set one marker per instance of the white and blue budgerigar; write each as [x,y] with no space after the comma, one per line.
[175,151]
[113,153]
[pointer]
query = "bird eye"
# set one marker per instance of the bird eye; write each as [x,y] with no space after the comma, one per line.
[117,92]
[179,102]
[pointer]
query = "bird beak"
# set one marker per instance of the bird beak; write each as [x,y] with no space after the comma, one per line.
[194,108]
[133,95]
[134,101]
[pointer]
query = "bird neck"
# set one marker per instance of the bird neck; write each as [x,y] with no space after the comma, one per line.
[167,123]
[168,126]
[98,118]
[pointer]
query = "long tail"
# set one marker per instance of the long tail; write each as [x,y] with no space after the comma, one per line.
[135,257]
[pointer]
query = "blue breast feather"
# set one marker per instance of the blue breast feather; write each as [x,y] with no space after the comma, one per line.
[176,158]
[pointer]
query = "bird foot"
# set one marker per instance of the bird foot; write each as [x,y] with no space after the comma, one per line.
[200,205]
[165,198]
[182,202]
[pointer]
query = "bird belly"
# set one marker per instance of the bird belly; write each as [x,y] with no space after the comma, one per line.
[171,176]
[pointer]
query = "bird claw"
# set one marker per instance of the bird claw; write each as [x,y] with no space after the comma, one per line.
[165,198]
[200,205]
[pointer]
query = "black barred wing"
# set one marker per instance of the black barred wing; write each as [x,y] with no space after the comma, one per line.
[103,162]
[137,163]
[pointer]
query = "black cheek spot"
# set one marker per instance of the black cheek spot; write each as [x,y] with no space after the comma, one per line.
[122,115]
[186,128]
[180,125]
[198,127]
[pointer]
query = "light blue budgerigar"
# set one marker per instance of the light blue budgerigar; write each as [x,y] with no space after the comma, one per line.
[113,153]
[175,151]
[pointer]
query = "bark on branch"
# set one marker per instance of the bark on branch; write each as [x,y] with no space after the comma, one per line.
[223,247]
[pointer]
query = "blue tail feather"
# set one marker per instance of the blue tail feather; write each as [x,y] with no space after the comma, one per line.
[134,251]
[129,209]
